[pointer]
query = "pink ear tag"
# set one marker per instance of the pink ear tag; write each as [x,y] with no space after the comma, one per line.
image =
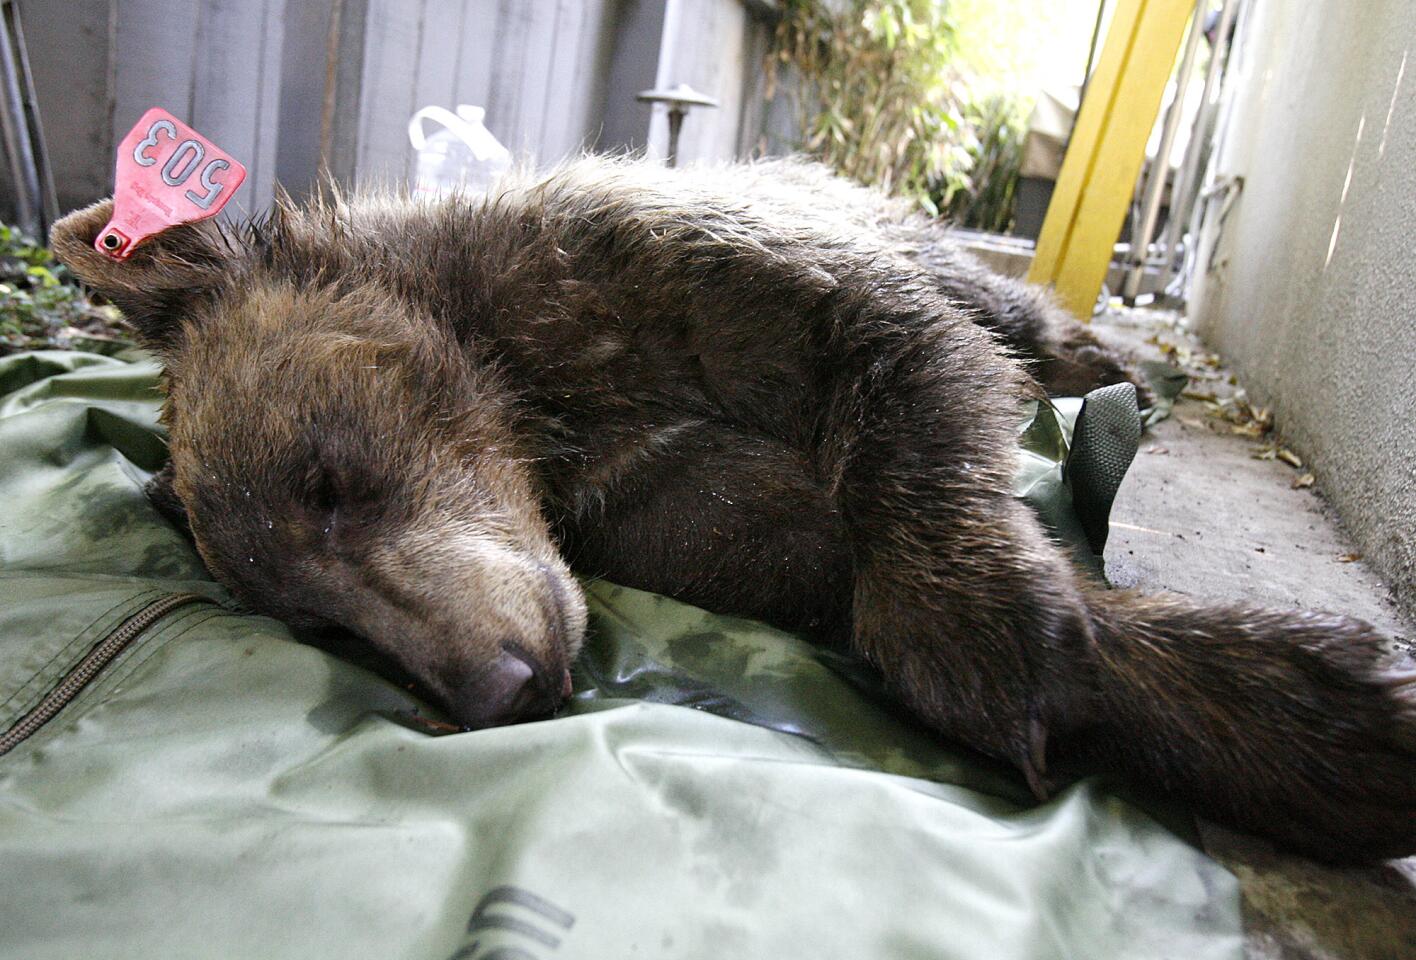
[167,174]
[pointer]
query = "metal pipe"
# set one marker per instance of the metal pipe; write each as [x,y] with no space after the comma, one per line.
[1182,198]
[1155,184]
[1202,223]
[664,72]
[18,147]
[48,199]
[676,114]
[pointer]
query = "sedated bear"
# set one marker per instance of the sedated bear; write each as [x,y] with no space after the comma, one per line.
[758,389]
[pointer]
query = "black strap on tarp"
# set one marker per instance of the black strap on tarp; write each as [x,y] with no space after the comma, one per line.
[1104,442]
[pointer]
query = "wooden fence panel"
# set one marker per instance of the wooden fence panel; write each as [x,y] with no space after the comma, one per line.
[561,122]
[443,23]
[482,26]
[290,85]
[235,77]
[71,87]
[214,63]
[592,73]
[155,44]
[392,39]
[714,46]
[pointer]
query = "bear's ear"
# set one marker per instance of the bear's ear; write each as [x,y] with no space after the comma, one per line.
[164,279]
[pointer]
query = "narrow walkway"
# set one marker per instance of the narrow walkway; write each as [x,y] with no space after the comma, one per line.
[1216,507]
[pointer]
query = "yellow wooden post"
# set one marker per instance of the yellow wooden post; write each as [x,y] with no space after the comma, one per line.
[1098,176]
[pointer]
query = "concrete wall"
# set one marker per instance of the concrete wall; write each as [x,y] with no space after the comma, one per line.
[1312,288]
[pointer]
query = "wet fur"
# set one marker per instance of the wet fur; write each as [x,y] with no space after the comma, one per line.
[757,389]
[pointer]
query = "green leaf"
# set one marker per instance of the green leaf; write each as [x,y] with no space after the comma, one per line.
[44,275]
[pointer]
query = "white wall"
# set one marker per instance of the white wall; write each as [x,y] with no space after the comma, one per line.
[1313,290]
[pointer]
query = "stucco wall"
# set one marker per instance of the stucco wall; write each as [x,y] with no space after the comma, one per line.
[1312,289]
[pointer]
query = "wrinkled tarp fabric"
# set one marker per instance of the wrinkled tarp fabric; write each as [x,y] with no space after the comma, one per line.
[716,788]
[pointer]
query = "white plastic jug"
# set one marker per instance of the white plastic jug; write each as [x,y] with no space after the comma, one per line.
[463,156]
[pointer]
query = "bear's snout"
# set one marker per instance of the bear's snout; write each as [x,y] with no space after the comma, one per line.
[517,632]
[513,689]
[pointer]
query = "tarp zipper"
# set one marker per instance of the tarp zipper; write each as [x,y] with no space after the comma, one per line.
[83,673]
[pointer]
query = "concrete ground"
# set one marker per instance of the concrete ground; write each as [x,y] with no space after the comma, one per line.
[1213,507]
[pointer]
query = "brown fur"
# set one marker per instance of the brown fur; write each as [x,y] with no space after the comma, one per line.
[755,389]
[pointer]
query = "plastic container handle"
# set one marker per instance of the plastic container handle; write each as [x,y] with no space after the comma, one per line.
[441,115]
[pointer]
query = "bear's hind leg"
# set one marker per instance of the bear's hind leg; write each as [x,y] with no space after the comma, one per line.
[1282,722]
[974,617]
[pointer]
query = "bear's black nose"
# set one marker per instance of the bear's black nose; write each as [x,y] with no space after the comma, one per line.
[514,689]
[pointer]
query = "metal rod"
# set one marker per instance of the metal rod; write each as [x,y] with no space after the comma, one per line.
[18,147]
[49,201]
[1155,184]
[675,128]
[1182,198]
[1212,182]
[664,68]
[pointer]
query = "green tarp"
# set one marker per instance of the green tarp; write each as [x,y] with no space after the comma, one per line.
[716,789]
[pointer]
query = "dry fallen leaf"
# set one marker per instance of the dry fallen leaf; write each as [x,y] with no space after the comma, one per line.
[1289,457]
[1349,558]
[1304,481]
[1243,418]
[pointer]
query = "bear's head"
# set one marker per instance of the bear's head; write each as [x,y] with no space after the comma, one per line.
[344,463]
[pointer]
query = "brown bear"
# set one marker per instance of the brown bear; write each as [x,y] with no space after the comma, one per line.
[757,389]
